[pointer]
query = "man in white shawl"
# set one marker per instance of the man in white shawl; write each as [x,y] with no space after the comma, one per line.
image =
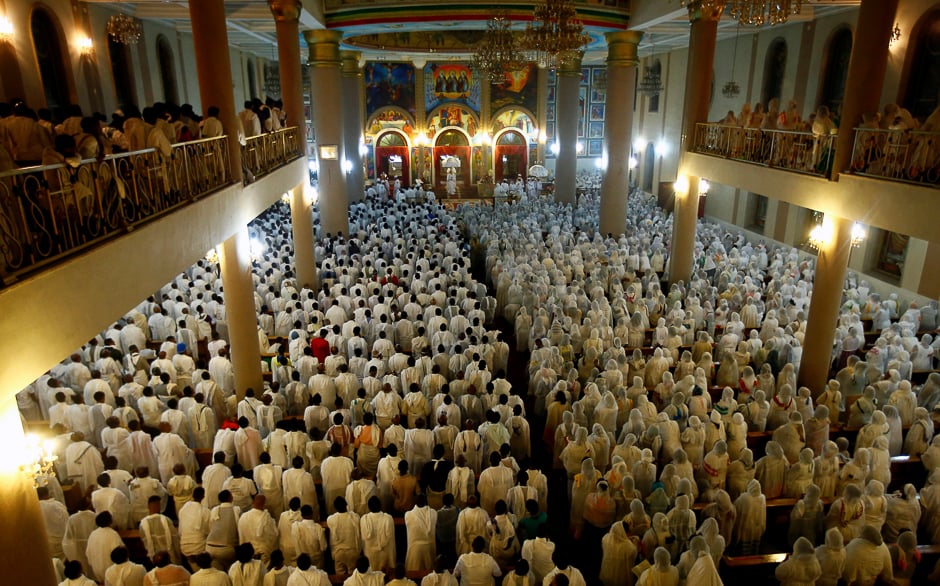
[421,527]
[378,536]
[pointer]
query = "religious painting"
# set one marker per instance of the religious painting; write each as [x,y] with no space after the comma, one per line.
[892,253]
[514,119]
[551,95]
[389,84]
[595,147]
[453,115]
[599,77]
[390,119]
[582,102]
[597,112]
[598,96]
[596,130]
[550,129]
[450,82]
[585,76]
[581,125]
[550,112]
[552,78]
[518,88]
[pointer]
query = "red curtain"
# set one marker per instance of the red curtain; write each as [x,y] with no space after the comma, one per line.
[381,162]
[462,153]
[511,151]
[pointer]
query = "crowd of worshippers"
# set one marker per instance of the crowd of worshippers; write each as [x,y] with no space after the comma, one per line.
[29,137]
[386,383]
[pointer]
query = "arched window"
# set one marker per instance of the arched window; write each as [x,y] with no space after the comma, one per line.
[775,66]
[122,72]
[656,70]
[252,79]
[923,74]
[511,138]
[50,56]
[167,70]
[452,138]
[392,139]
[649,159]
[838,53]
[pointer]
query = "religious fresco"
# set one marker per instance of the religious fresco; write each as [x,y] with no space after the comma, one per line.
[592,109]
[337,4]
[514,119]
[453,115]
[519,88]
[446,83]
[390,84]
[441,41]
[390,119]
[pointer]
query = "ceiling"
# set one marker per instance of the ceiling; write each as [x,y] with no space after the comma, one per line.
[251,26]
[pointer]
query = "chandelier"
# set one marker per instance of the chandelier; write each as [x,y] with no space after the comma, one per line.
[498,51]
[752,12]
[124,29]
[555,37]
[652,82]
[39,464]
[732,89]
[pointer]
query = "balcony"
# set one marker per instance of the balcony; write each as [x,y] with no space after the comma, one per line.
[800,152]
[909,156]
[51,212]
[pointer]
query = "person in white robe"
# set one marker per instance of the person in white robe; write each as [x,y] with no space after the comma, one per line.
[213,477]
[269,479]
[421,528]
[477,567]
[83,462]
[299,483]
[158,533]
[378,536]
[171,450]
[107,498]
[142,488]
[285,531]
[363,575]
[124,572]
[309,538]
[193,519]
[256,526]
[307,574]
[75,538]
[101,543]
[345,540]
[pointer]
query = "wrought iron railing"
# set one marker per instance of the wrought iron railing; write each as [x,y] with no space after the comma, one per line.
[53,211]
[803,152]
[900,155]
[266,152]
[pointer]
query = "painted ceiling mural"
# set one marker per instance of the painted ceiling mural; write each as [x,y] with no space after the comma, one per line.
[451,82]
[519,88]
[389,84]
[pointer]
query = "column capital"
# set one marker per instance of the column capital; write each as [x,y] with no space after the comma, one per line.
[622,48]
[323,47]
[350,60]
[286,10]
[571,67]
[705,10]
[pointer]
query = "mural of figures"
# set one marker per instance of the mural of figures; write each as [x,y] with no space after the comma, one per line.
[514,119]
[453,115]
[390,119]
[389,84]
[450,82]
[519,88]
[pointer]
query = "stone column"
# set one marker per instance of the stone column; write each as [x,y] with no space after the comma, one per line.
[326,95]
[353,124]
[215,75]
[866,75]
[238,293]
[831,265]
[540,114]
[622,61]
[566,131]
[698,81]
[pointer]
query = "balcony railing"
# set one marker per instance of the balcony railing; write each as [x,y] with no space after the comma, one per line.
[802,152]
[266,152]
[900,155]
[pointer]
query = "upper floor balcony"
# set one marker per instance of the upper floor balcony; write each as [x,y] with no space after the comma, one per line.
[910,156]
[52,212]
[800,152]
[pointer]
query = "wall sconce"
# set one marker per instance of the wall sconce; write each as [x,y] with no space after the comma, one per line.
[681,185]
[85,46]
[858,234]
[555,148]
[895,35]
[662,147]
[6,30]
[39,460]
[632,163]
[421,140]
[703,187]
[639,145]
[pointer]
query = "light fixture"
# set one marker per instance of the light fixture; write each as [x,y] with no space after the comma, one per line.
[580,147]
[751,12]
[821,232]
[6,30]
[652,82]
[703,187]
[85,45]
[732,89]
[285,197]
[895,35]
[39,460]
[498,51]
[212,255]
[347,166]
[632,163]
[639,144]
[681,184]
[858,234]
[555,148]
[556,36]
[662,147]
[542,136]
[124,28]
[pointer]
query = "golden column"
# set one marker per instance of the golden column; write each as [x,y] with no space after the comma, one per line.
[831,265]
[353,125]
[287,17]
[566,131]
[622,61]
[326,95]
[238,292]
[698,81]
[215,75]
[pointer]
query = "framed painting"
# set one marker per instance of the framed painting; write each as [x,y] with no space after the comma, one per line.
[550,113]
[585,76]
[596,130]
[599,78]
[595,147]
[597,112]
[550,97]
[598,96]
[550,129]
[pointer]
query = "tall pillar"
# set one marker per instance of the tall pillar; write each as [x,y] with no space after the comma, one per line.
[542,110]
[622,60]
[326,95]
[353,125]
[698,80]
[831,266]
[301,219]
[215,75]
[26,557]
[866,75]
[238,292]
[566,130]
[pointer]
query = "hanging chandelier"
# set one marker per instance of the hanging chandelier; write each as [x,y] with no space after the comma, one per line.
[751,12]
[652,82]
[124,29]
[732,89]
[556,36]
[498,51]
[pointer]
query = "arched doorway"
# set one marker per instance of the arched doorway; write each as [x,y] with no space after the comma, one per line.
[511,155]
[392,156]
[48,45]
[122,72]
[923,69]
[775,67]
[167,71]
[838,53]
[452,142]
